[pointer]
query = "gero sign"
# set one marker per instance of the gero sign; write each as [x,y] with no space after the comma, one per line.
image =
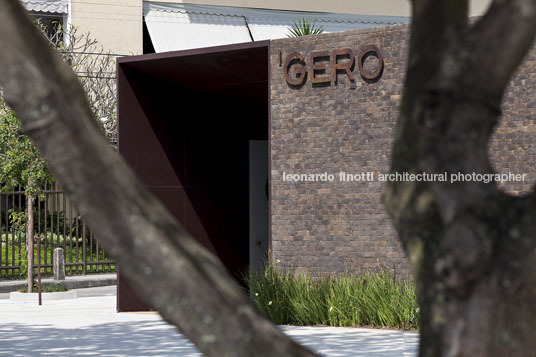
[325,66]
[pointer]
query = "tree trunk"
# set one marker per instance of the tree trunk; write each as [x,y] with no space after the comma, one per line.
[471,247]
[183,281]
[30,239]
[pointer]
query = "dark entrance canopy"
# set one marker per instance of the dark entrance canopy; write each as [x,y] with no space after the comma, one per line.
[185,120]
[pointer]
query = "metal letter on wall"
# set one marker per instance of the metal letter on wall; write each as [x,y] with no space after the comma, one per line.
[319,67]
[370,50]
[324,66]
[297,61]
[346,66]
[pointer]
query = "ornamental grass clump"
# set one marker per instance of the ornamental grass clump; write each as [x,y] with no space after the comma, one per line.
[375,299]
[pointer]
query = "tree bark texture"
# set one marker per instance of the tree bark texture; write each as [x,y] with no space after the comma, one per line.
[471,247]
[189,286]
[30,239]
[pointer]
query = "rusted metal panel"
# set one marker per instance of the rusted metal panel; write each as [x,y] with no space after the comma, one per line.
[38,242]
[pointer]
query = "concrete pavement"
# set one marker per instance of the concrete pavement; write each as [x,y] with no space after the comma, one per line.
[89,326]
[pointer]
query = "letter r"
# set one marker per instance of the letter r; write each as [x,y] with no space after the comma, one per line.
[346,66]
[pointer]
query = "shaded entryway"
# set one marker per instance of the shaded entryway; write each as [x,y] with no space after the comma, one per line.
[186,121]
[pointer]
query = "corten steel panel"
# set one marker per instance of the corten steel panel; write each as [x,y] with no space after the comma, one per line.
[228,223]
[144,153]
[127,299]
[185,120]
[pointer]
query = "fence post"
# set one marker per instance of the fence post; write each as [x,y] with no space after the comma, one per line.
[48,222]
[38,240]
[59,264]
[84,255]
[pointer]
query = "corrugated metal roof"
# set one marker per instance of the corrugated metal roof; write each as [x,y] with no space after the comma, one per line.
[171,31]
[52,6]
[271,15]
[174,26]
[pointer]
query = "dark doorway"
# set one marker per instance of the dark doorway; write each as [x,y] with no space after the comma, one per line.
[258,203]
[186,120]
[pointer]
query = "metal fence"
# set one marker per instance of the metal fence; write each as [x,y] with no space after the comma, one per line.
[59,225]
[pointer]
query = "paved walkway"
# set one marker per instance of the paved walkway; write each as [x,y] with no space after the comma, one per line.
[89,326]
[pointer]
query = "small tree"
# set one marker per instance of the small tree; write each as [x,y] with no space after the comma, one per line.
[21,164]
[95,69]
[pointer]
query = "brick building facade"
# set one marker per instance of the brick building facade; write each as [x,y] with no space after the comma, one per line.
[322,226]
[190,121]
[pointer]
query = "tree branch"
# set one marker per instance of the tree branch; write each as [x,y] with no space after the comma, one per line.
[461,238]
[433,23]
[187,284]
[500,40]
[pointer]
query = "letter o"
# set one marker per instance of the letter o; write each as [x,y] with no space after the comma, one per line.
[370,50]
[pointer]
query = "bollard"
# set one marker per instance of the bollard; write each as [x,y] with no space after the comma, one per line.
[38,240]
[59,264]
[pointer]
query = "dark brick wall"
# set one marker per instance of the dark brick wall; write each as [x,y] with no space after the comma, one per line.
[325,227]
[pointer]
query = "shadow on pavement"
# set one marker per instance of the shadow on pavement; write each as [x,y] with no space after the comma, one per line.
[156,338]
[142,338]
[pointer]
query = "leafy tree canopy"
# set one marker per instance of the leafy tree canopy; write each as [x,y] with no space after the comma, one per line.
[21,161]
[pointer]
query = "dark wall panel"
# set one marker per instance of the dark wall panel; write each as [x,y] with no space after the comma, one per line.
[140,142]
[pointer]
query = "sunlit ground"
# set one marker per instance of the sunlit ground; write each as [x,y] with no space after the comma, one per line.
[89,326]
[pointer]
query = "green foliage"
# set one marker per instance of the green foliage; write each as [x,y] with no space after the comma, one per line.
[17,220]
[11,248]
[45,288]
[18,223]
[371,299]
[21,163]
[304,28]
[44,221]
[23,264]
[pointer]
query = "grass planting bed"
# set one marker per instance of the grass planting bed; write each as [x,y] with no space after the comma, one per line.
[373,299]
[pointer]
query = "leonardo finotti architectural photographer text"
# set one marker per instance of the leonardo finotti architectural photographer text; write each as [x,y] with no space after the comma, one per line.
[403,176]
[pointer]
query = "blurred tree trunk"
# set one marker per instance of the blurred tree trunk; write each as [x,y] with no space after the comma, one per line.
[472,248]
[189,286]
